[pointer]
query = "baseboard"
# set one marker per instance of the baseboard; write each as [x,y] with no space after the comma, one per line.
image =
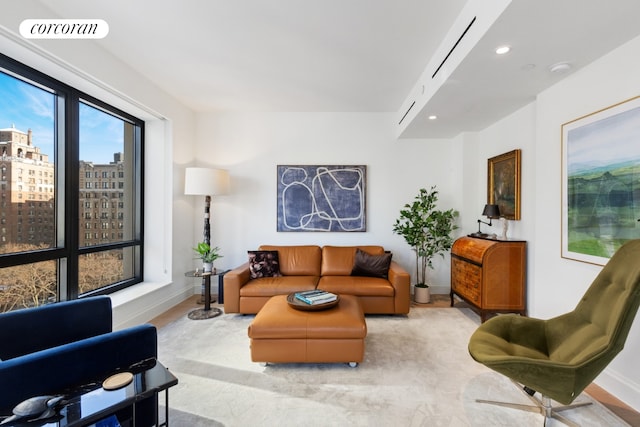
[436,290]
[440,290]
[620,387]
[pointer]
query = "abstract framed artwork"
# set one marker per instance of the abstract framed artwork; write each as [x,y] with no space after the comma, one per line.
[503,183]
[601,182]
[321,198]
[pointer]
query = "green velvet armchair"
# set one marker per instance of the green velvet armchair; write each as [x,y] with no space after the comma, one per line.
[561,356]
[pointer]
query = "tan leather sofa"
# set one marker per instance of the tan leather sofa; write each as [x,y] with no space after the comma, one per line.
[307,267]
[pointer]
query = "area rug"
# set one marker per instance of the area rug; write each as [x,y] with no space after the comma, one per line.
[416,372]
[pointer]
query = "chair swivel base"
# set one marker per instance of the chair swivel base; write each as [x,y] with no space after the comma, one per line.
[542,406]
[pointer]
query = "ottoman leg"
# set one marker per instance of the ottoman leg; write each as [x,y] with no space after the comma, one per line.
[353,364]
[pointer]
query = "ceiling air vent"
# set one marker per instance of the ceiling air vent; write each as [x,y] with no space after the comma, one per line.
[405,114]
[454,46]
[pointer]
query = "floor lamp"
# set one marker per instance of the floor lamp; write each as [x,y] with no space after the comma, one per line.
[206,182]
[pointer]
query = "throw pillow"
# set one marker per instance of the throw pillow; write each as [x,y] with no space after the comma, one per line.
[371,265]
[264,264]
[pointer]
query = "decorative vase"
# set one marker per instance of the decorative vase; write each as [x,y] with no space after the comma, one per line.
[505,227]
[207,267]
[422,294]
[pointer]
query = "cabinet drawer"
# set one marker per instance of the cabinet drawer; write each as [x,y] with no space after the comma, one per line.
[470,292]
[466,279]
[464,272]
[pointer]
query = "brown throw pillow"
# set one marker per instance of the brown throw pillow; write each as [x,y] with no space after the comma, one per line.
[371,265]
[264,264]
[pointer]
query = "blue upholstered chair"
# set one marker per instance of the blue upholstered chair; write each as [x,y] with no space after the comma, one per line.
[55,347]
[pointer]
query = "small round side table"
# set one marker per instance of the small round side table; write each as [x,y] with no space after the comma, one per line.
[207,312]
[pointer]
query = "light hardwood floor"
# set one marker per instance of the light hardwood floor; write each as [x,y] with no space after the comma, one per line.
[616,406]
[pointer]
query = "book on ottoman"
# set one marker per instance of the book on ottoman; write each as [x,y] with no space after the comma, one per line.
[316,297]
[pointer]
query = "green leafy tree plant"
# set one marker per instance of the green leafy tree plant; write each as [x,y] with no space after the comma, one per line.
[426,229]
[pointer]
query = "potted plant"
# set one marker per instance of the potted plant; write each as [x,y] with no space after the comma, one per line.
[428,231]
[207,254]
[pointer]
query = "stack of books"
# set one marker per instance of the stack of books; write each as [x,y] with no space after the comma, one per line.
[316,297]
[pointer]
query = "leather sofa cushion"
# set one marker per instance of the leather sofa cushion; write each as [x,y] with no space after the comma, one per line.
[356,285]
[283,285]
[339,260]
[297,260]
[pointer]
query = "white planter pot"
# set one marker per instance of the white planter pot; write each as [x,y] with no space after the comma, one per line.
[421,295]
[207,267]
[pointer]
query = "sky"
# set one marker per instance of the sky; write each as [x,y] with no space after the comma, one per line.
[28,107]
[609,137]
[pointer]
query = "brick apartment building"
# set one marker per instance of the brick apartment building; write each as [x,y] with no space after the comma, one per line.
[28,190]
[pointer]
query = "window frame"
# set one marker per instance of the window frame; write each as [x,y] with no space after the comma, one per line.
[69,226]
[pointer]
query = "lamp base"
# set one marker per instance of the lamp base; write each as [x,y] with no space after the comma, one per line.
[201,314]
[479,234]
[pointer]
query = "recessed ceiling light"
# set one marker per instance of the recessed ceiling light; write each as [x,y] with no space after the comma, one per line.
[501,50]
[432,117]
[560,67]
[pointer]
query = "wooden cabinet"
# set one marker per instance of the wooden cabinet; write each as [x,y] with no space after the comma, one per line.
[490,274]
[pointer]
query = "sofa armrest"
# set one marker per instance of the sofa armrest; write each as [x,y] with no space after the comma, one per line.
[71,365]
[233,281]
[29,330]
[401,282]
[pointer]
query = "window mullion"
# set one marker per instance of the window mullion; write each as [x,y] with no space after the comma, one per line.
[71,202]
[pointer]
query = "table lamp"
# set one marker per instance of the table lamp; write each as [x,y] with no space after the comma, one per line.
[491,212]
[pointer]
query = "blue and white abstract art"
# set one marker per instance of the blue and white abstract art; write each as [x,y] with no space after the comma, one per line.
[321,198]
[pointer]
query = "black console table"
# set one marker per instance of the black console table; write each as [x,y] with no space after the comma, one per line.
[92,404]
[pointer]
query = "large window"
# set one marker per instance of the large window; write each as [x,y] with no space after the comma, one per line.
[70,191]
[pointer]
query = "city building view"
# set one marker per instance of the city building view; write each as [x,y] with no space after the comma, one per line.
[27,185]
[28,219]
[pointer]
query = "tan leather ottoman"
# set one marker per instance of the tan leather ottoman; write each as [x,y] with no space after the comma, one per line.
[280,333]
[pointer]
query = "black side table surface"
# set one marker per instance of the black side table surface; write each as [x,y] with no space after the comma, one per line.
[91,404]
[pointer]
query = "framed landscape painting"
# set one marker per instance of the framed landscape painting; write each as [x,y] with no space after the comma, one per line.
[321,198]
[601,182]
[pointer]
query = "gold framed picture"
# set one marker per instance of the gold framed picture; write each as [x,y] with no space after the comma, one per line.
[503,183]
[600,182]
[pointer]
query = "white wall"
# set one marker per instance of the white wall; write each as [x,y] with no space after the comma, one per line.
[251,145]
[560,282]
[84,65]
[517,131]
[555,284]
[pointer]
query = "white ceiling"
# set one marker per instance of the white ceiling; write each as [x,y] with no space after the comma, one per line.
[485,87]
[351,55]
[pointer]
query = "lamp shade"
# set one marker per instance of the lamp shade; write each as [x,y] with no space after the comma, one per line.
[206,182]
[491,211]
